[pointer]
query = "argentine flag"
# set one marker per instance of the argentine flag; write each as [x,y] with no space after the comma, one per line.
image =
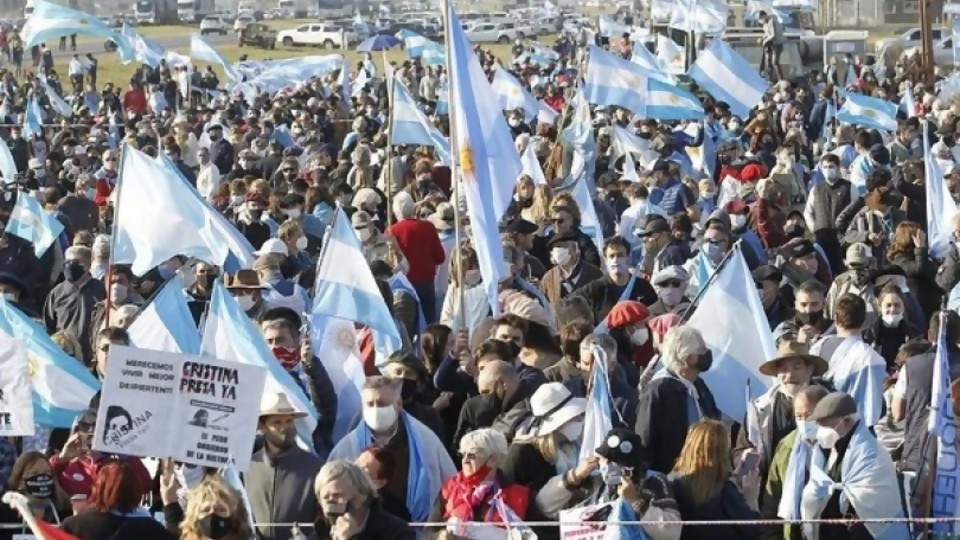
[50,21]
[30,221]
[940,207]
[942,424]
[7,166]
[430,52]
[33,119]
[62,387]
[411,126]
[728,77]
[166,324]
[512,95]
[202,50]
[868,111]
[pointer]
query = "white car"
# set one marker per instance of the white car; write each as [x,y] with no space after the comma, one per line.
[910,38]
[486,32]
[213,24]
[242,21]
[942,52]
[323,35]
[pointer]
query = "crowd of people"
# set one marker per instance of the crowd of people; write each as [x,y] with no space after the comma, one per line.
[478,421]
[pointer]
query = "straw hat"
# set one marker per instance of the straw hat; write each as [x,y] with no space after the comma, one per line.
[243,279]
[278,404]
[787,350]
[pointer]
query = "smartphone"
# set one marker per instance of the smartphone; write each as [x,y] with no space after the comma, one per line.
[749,463]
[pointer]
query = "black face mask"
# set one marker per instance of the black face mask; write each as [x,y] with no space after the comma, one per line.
[705,361]
[645,135]
[283,440]
[215,527]
[810,318]
[408,390]
[205,281]
[948,140]
[38,486]
[73,271]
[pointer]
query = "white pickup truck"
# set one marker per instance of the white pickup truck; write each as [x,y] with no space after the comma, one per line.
[321,35]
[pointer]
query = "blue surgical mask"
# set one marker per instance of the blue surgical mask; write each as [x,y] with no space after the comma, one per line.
[612,473]
[714,251]
[807,429]
[618,265]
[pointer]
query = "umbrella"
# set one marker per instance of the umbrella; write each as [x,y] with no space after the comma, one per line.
[378,43]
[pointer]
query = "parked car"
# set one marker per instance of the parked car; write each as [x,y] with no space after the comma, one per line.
[485,32]
[322,35]
[910,38]
[257,35]
[213,24]
[242,21]
[942,52]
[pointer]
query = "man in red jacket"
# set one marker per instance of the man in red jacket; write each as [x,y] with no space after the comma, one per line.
[106,177]
[420,244]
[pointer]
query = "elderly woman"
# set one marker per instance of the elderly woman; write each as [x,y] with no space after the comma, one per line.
[351,509]
[675,398]
[670,283]
[475,492]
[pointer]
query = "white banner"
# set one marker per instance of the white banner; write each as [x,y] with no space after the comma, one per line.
[197,410]
[583,516]
[16,389]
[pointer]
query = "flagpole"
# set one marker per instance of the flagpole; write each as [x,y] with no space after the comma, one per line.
[649,371]
[108,305]
[390,101]
[455,176]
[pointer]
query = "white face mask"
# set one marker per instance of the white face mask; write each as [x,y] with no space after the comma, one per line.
[560,255]
[831,173]
[572,430]
[827,437]
[118,292]
[639,336]
[471,278]
[737,221]
[364,234]
[892,320]
[245,302]
[671,296]
[292,214]
[302,243]
[10,297]
[380,418]
[807,429]
[236,200]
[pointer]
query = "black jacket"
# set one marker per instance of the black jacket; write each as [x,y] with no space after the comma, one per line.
[727,505]
[96,525]
[483,411]
[661,419]
[380,526]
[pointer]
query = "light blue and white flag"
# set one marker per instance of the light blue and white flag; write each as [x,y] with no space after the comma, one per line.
[942,424]
[754,7]
[728,77]
[855,368]
[668,101]
[512,95]
[941,210]
[740,340]
[166,324]
[598,420]
[191,227]
[908,104]
[612,28]
[703,269]
[488,160]
[56,102]
[346,94]
[671,56]
[33,119]
[146,51]
[443,100]
[62,386]
[531,165]
[578,138]
[430,52]
[345,287]
[230,335]
[50,21]
[201,50]
[7,165]
[700,16]
[611,80]
[868,111]
[589,222]
[335,343]
[625,142]
[851,77]
[361,27]
[411,126]
[28,220]
[645,59]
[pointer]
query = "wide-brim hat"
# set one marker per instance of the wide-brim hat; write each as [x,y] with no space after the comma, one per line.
[552,406]
[243,279]
[787,350]
[278,404]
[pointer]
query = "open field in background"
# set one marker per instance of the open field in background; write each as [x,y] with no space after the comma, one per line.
[176,30]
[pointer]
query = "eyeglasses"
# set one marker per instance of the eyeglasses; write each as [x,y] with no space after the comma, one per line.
[85,426]
[672,284]
[287,170]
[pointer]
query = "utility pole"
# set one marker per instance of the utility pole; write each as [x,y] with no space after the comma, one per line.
[926,41]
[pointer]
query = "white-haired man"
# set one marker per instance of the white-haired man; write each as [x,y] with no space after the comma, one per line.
[678,387]
[420,244]
[350,508]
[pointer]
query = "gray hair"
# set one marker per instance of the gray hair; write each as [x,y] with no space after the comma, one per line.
[403,205]
[81,253]
[680,343]
[604,341]
[355,476]
[490,442]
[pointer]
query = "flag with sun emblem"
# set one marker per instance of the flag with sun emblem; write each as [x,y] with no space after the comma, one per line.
[512,95]
[489,162]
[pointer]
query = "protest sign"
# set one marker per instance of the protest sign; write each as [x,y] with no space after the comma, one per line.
[197,410]
[16,389]
[575,523]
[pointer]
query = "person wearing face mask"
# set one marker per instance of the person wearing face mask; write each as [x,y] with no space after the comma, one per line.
[251,220]
[422,461]
[892,329]
[801,260]
[417,393]
[790,467]
[281,474]
[214,511]
[122,293]
[661,248]
[246,289]
[208,174]
[32,476]
[855,463]
[221,151]
[825,202]
[469,495]
[377,246]
[291,206]
[680,388]
[501,403]
[350,508]
[247,165]
[14,291]
[556,423]
[106,177]
[873,218]
[79,206]
[71,304]
[767,280]
[465,307]
[671,284]
[620,358]
[619,284]
[569,271]
[199,294]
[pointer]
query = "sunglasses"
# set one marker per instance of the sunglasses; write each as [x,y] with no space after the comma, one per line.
[672,284]
[287,170]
